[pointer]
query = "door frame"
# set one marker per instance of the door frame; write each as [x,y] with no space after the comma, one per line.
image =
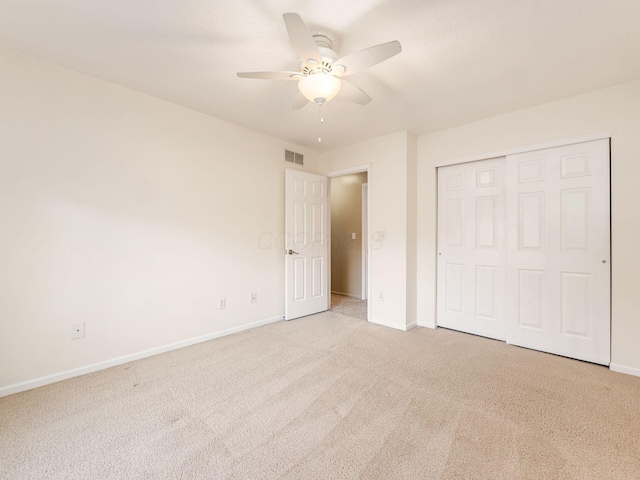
[527,148]
[339,173]
[365,239]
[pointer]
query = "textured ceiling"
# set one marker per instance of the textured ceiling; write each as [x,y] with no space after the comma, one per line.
[462,60]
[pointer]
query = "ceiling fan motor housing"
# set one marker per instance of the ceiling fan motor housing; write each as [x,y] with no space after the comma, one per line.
[328,57]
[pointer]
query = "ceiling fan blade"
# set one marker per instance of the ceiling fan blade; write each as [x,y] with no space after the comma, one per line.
[351,92]
[356,62]
[271,75]
[301,38]
[300,101]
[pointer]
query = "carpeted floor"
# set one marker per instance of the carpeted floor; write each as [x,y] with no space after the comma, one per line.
[328,396]
[349,306]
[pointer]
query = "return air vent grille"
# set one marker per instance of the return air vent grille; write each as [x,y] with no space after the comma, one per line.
[293,157]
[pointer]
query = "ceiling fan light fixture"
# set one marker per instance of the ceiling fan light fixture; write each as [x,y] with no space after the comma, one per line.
[319,87]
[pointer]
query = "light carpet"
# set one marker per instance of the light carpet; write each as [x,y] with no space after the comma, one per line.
[328,396]
[349,306]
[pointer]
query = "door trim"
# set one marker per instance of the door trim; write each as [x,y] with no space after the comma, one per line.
[528,148]
[365,236]
[339,173]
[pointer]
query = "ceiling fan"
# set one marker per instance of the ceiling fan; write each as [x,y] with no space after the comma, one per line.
[322,72]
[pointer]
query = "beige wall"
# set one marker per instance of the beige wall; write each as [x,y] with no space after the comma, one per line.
[346,218]
[615,110]
[388,183]
[130,214]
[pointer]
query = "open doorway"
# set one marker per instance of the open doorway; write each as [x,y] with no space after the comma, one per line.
[349,206]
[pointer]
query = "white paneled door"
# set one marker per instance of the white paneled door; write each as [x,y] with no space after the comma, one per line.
[306,252]
[472,248]
[524,250]
[558,220]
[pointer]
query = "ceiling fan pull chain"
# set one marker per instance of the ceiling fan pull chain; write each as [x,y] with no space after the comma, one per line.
[320,125]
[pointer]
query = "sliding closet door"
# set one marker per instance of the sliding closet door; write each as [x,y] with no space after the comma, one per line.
[558,224]
[472,248]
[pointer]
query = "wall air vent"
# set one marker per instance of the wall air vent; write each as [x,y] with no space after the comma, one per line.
[293,157]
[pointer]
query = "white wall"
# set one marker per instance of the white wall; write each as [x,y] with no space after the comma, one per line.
[615,110]
[130,214]
[388,189]
[346,219]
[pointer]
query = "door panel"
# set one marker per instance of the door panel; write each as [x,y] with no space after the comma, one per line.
[455,222]
[531,221]
[306,232]
[558,289]
[486,225]
[486,292]
[530,295]
[455,279]
[471,248]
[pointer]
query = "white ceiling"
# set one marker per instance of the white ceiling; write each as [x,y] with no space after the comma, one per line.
[462,60]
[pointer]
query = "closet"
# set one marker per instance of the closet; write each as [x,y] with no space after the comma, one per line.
[524,249]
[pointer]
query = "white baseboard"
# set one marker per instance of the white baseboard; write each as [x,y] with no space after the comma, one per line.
[347,294]
[411,325]
[94,367]
[384,323]
[623,369]
[427,325]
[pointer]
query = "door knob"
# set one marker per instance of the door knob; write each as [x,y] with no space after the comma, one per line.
[291,252]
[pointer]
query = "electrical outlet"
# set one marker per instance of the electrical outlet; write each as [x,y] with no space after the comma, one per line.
[254,298]
[77,330]
[381,296]
[221,303]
